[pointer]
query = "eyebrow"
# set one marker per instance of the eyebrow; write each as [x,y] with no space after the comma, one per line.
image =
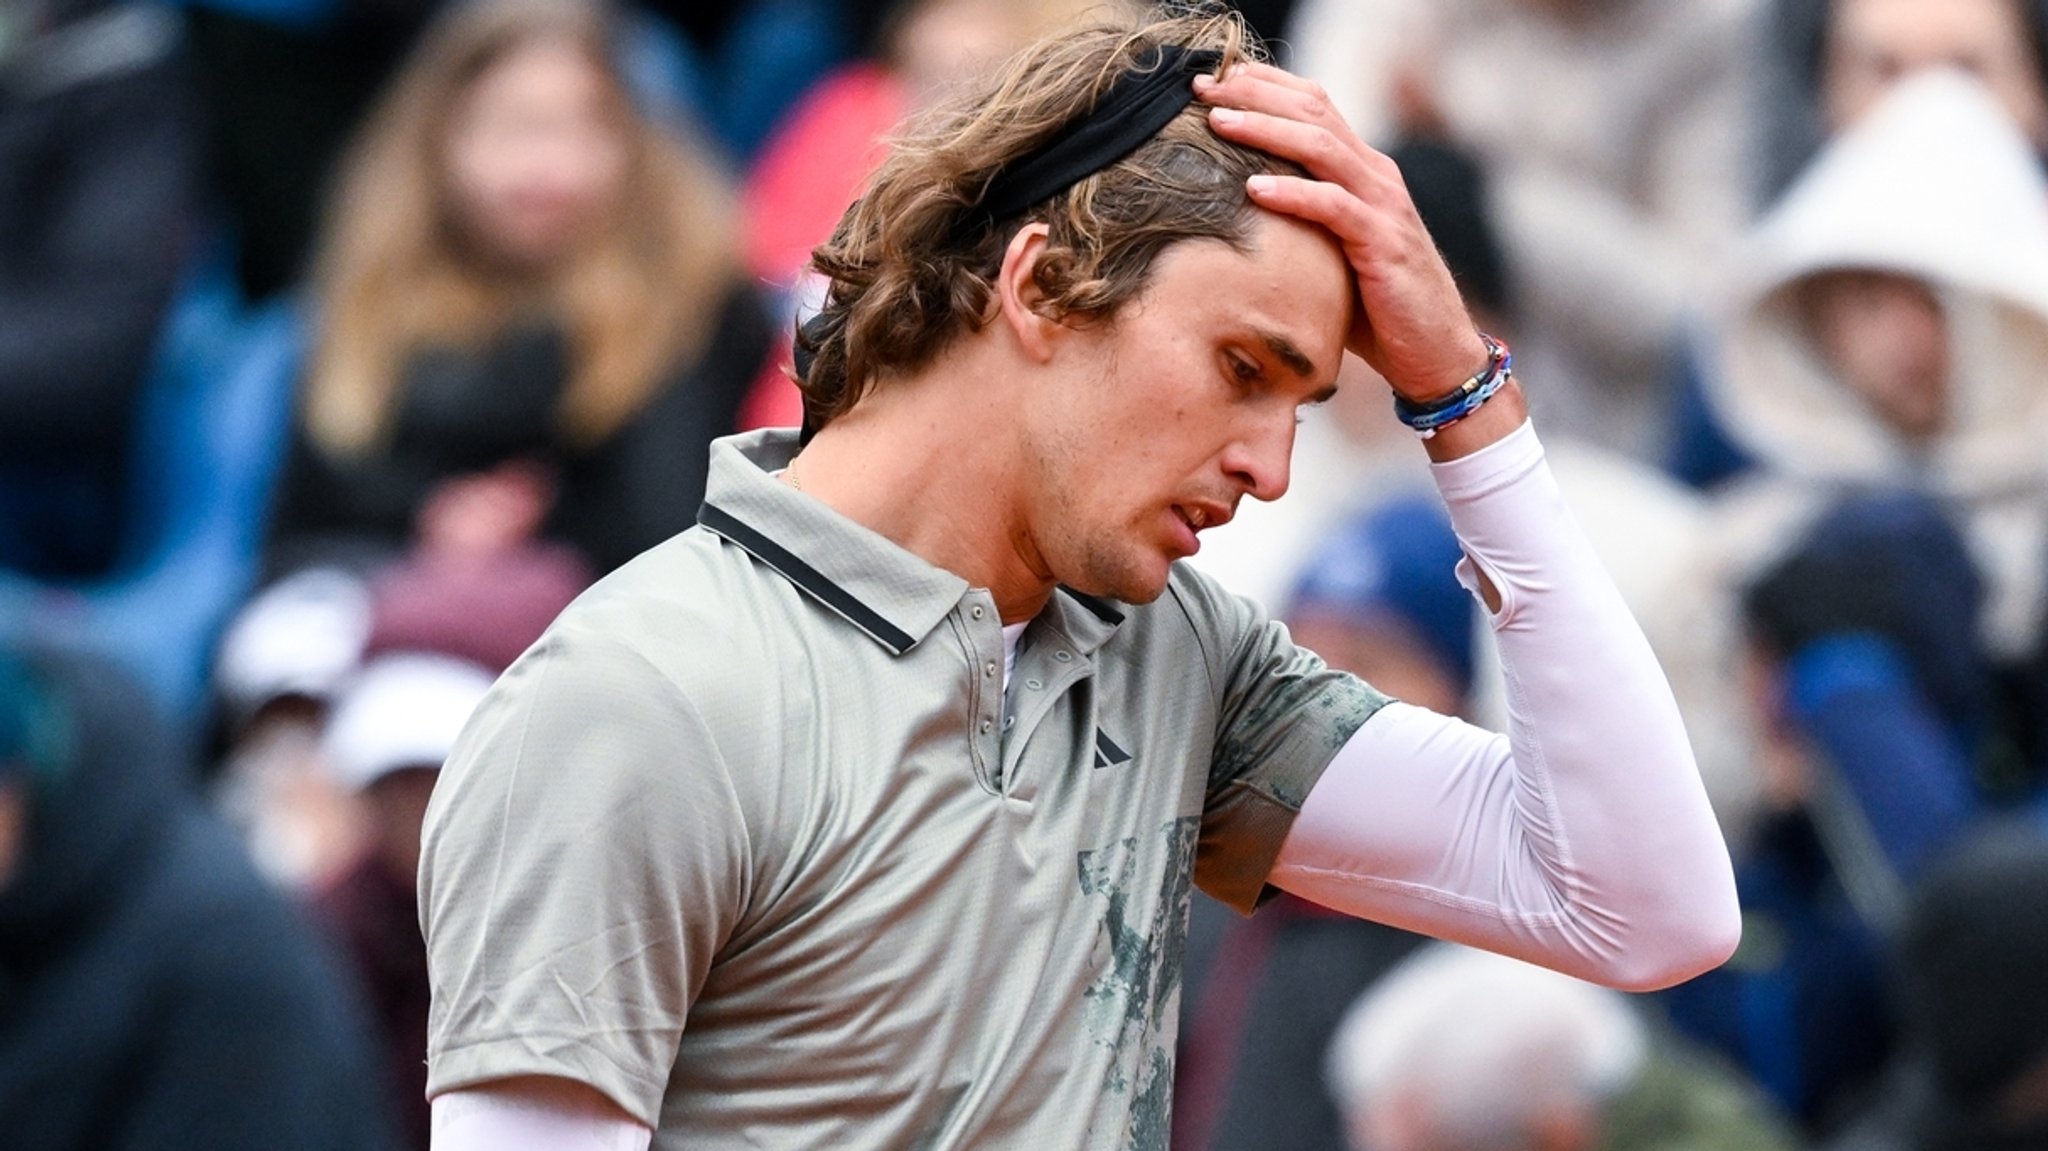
[1290,355]
[1296,362]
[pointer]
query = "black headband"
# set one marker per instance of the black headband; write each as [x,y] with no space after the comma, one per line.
[1132,110]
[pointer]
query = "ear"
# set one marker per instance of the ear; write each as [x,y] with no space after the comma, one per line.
[1020,297]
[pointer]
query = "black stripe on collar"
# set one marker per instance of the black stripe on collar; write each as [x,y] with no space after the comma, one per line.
[808,578]
[1101,609]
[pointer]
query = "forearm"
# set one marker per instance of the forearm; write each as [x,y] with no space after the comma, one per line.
[1583,840]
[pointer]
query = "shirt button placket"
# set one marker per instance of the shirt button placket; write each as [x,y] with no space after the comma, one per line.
[985,726]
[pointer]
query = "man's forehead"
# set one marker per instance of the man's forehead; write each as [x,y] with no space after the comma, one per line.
[1290,284]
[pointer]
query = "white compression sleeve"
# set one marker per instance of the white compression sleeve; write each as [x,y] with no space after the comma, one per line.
[511,1119]
[1582,840]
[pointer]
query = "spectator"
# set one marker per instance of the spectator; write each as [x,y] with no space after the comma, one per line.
[285,84]
[1462,1050]
[1871,338]
[1840,57]
[1380,600]
[98,198]
[1834,61]
[530,319]
[154,993]
[384,743]
[1614,134]
[1888,548]
[1868,689]
[287,658]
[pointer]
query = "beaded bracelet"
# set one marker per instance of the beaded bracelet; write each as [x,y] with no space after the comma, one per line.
[1427,419]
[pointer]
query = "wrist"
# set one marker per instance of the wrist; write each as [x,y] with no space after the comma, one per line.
[1461,402]
[1496,420]
[1444,386]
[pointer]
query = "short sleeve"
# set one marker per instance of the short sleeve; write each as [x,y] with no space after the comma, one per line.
[1282,714]
[584,859]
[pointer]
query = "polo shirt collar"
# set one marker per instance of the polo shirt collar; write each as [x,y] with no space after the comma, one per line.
[1086,621]
[893,595]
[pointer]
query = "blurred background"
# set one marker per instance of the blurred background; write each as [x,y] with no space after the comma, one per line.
[343,342]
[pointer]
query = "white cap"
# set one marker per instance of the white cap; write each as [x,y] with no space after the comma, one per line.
[300,636]
[404,710]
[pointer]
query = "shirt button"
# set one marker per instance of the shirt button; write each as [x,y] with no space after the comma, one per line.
[1063,656]
[975,611]
[987,726]
[990,670]
[1033,684]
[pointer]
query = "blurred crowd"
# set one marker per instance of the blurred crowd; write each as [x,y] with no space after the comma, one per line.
[344,342]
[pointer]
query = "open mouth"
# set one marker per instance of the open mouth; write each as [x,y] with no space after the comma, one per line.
[1196,517]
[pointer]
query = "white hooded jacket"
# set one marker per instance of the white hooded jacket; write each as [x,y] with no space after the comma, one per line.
[1937,184]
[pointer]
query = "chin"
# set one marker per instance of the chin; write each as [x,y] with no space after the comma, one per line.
[1134,579]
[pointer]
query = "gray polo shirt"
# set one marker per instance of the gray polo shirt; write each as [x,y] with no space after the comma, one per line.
[751,842]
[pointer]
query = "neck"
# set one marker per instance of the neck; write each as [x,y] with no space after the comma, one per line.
[932,462]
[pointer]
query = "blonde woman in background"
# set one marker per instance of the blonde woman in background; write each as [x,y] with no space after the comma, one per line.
[528,322]
[530,319]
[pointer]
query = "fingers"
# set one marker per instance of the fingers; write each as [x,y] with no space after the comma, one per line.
[1318,201]
[1348,181]
[1323,152]
[1278,112]
[1263,88]
[1413,328]
[1267,73]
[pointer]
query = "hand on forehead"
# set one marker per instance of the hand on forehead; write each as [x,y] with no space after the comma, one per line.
[1412,326]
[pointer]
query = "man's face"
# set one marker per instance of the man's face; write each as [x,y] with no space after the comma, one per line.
[1872,43]
[1886,338]
[1152,426]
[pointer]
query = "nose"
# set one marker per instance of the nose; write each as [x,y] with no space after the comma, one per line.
[1260,459]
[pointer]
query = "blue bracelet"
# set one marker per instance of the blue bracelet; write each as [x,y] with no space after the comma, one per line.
[1427,419]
